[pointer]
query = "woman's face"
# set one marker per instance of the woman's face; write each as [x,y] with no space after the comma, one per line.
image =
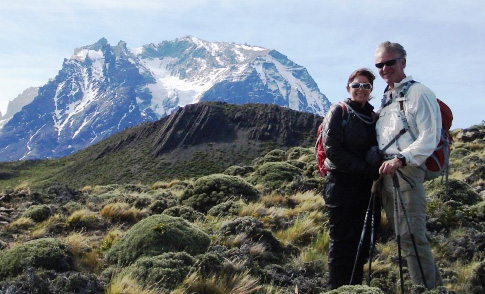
[360,89]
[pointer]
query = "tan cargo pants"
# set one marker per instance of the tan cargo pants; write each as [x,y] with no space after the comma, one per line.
[414,198]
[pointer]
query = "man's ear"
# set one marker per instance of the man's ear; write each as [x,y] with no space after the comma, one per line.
[404,63]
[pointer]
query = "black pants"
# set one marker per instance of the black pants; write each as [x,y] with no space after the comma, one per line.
[346,224]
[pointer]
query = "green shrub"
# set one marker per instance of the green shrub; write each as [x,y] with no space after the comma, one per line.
[478,211]
[274,156]
[441,216]
[38,213]
[185,212]
[71,206]
[165,271]
[237,170]
[357,289]
[459,152]
[208,264]
[47,253]
[161,201]
[297,163]
[297,152]
[214,189]
[156,235]
[275,174]
[254,233]
[475,283]
[459,191]
[227,208]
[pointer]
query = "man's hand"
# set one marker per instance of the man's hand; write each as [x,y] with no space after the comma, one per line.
[389,167]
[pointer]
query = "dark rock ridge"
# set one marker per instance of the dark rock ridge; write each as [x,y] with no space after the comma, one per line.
[218,122]
[195,140]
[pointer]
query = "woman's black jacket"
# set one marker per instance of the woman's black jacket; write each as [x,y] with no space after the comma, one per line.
[346,147]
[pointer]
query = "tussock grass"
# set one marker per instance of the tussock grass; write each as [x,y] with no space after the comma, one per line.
[231,280]
[125,284]
[121,212]
[54,223]
[301,232]
[257,250]
[110,238]
[273,199]
[255,209]
[309,201]
[166,185]
[316,251]
[83,218]
[237,240]
[22,223]
[85,258]
[463,273]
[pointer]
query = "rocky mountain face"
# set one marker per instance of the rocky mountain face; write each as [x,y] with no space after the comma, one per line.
[103,89]
[16,104]
[201,138]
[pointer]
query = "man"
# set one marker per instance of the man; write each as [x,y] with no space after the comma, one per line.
[405,154]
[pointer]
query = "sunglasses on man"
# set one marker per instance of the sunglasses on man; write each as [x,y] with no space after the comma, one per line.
[365,86]
[387,63]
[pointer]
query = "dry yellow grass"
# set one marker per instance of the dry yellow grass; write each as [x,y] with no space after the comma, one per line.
[125,284]
[110,238]
[83,218]
[43,229]
[22,223]
[302,231]
[316,251]
[120,212]
[231,280]
[85,257]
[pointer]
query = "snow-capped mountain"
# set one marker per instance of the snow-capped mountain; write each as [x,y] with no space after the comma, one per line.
[103,89]
[16,104]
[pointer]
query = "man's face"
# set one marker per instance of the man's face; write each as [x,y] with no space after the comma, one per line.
[390,66]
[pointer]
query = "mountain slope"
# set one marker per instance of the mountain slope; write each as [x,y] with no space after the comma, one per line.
[103,89]
[196,140]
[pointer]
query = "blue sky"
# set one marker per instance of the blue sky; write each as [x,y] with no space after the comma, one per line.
[445,39]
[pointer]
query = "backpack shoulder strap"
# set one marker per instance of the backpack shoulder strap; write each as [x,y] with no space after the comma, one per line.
[345,113]
[401,99]
[404,120]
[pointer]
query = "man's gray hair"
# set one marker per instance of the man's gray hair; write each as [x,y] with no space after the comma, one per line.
[395,47]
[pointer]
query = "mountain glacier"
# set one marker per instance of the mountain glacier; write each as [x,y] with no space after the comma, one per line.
[103,89]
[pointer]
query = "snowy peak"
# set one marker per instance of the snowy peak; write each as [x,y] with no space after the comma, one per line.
[103,89]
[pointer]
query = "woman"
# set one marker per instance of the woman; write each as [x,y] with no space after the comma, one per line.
[348,137]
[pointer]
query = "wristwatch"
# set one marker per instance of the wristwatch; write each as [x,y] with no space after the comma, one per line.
[401,158]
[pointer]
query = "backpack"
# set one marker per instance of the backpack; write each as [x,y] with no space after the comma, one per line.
[437,164]
[320,148]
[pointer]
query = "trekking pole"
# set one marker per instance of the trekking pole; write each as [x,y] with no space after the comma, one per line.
[396,184]
[370,207]
[398,236]
[372,235]
[362,237]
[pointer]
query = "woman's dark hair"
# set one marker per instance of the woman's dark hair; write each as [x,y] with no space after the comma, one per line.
[361,72]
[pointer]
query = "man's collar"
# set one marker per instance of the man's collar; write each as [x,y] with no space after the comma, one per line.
[402,82]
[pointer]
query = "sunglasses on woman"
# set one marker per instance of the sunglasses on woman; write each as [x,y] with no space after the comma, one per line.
[365,86]
[387,63]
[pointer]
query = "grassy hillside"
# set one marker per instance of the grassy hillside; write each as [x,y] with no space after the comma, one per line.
[254,228]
